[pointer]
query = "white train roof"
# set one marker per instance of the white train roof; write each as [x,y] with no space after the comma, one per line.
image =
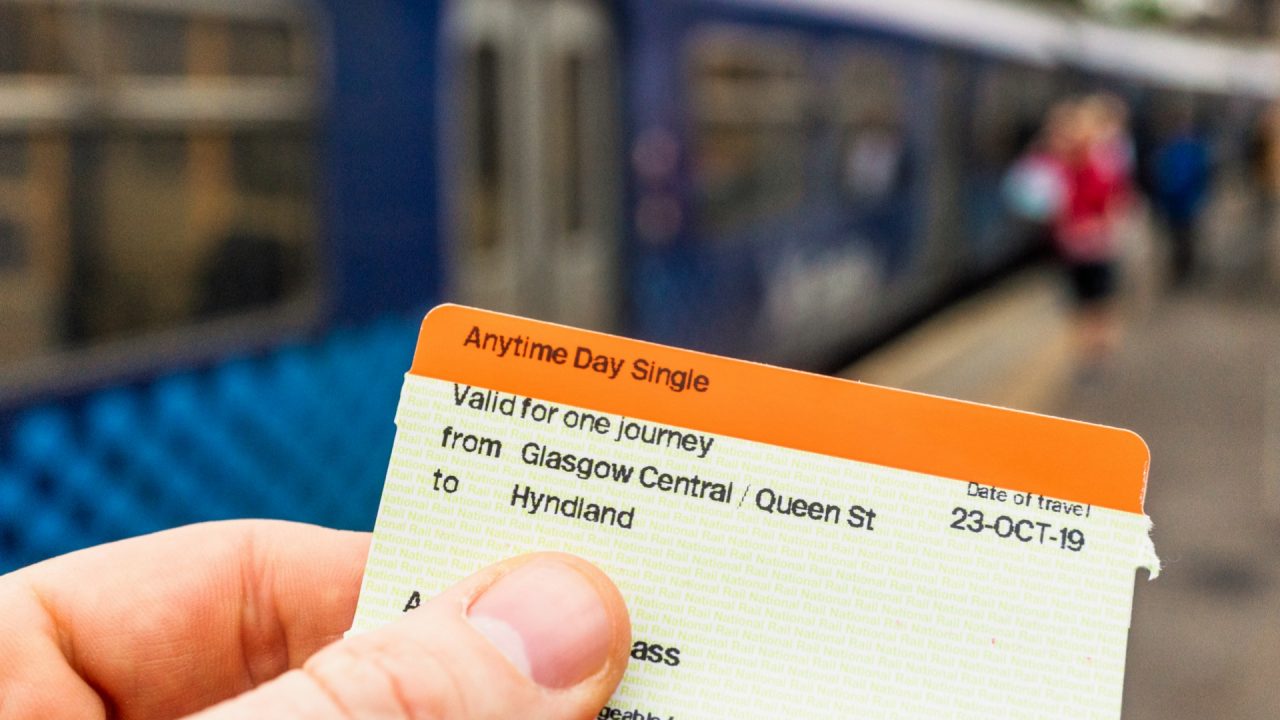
[1000,27]
[1178,60]
[1042,37]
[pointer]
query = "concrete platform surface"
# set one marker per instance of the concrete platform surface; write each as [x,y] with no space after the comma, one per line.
[1200,381]
[1198,376]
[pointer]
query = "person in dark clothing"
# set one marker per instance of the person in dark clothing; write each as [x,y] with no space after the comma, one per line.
[1182,175]
[1264,172]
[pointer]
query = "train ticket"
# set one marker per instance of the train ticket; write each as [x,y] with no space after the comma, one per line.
[789,544]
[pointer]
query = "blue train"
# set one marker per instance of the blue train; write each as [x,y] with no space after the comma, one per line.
[221,221]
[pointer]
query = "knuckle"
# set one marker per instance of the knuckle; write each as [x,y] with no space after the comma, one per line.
[390,681]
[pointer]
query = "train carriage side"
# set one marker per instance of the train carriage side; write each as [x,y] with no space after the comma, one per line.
[751,177]
[193,419]
[746,222]
[802,183]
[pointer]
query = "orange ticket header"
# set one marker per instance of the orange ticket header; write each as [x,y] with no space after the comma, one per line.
[1018,451]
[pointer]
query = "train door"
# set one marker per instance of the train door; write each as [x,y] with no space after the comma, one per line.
[577,76]
[534,169]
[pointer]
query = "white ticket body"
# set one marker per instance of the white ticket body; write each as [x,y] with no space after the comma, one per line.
[788,544]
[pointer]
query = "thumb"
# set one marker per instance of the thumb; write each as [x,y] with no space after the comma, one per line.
[539,636]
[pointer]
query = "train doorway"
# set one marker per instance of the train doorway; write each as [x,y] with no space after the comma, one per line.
[534,169]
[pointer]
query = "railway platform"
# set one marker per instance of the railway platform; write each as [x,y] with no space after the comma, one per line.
[1200,381]
[1198,376]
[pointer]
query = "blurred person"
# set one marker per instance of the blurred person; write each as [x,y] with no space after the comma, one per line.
[1111,145]
[244,619]
[1264,166]
[1181,177]
[1035,188]
[1090,143]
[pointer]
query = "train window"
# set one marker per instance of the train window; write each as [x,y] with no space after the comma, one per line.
[140,235]
[148,43]
[14,32]
[751,97]
[488,149]
[13,157]
[170,202]
[1011,103]
[13,246]
[262,49]
[155,155]
[29,40]
[870,87]
[484,105]
[272,162]
[870,92]
[180,236]
[571,130]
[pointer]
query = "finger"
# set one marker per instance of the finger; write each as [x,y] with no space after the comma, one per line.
[542,636]
[167,624]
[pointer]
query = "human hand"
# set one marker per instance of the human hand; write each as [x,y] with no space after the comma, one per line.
[249,614]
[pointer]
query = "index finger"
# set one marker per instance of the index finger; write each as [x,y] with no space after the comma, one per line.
[170,623]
